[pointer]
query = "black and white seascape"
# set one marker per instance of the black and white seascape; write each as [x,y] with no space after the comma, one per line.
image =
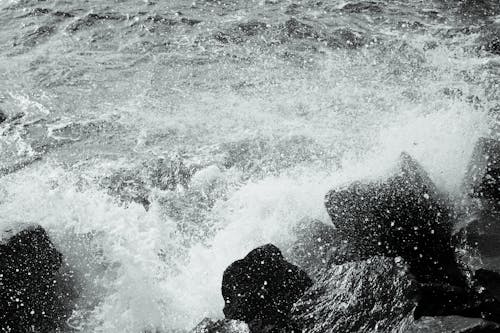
[175,166]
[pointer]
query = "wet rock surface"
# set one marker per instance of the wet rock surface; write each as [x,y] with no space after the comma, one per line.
[482,180]
[450,324]
[221,326]
[403,216]
[363,296]
[425,286]
[479,230]
[34,295]
[261,289]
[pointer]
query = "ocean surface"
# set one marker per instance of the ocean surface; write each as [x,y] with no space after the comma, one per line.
[158,141]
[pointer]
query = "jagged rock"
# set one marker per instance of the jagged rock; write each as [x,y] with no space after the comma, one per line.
[32,295]
[479,231]
[450,324]
[221,326]
[371,295]
[482,179]
[405,216]
[480,239]
[261,288]
[381,295]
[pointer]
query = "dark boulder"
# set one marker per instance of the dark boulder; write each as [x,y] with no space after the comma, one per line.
[365,296]
[489,280]
[404,216]
[32,294]
[221,326]
[261,289]
[439,299]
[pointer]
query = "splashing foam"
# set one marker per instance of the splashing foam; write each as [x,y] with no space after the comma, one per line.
[114,250]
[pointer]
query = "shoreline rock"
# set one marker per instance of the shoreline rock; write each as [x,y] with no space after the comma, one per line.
[261,288]
[34,295]
[404,216]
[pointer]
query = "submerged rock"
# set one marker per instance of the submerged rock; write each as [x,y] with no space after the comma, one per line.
[402,216]
[261,289]
[372,295]
[32,296]
[221,326]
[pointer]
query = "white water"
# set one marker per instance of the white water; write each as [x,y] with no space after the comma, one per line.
[135,269]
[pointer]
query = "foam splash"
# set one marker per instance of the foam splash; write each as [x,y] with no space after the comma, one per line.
[125,286]
[112,249]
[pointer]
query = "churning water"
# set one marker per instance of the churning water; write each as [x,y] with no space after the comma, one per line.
[158,141]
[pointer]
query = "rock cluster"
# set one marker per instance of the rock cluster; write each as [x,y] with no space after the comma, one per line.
[398,258]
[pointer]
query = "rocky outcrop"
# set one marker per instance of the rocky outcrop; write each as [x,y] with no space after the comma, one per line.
[405,216]
[380,295]
[33,295]
[388,264]
[261,289]
[371,295]
[221,326]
